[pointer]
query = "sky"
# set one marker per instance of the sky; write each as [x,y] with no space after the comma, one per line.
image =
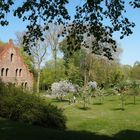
[130,45]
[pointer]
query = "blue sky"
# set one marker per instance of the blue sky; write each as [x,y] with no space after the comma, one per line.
[130,45]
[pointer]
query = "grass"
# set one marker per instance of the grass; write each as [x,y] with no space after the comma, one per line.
[97,121]
[107,118]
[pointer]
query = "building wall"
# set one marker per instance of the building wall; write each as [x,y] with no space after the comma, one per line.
[13,69]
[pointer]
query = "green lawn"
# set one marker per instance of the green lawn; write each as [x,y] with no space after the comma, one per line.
[106,121]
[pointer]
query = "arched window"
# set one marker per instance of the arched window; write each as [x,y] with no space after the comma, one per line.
[16,72]
[20,72]
[2,71]
[7,71]
[22,84]
[12,57]
[25,84]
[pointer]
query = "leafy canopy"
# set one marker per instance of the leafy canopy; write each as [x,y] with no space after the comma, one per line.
[90,19]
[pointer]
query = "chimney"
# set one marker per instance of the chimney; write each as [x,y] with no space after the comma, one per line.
[11,42]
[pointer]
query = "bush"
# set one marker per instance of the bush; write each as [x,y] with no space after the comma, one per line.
[16,104]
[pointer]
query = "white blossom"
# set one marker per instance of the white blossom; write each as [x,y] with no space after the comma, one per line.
[61,88]
[92,84]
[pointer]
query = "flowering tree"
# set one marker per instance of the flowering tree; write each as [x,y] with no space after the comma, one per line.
[62,88]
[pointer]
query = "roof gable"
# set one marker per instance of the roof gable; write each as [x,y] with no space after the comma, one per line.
[6,47]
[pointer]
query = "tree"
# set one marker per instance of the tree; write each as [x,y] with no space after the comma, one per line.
[28,59]
[127,71]
[48,71]
[52,38]
[92,67]
[36,55]
[62,88]
[135,71]
[38,52]
[89,20]
[122,88]
[135,85]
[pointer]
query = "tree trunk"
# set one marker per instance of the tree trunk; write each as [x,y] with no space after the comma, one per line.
[55,63]
[85,78]
[38,79]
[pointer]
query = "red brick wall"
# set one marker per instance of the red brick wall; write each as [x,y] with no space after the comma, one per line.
[25,78]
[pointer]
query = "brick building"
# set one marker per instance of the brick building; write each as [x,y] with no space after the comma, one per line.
[12,67]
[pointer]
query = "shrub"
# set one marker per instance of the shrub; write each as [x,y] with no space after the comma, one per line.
[62,88]
[16,104]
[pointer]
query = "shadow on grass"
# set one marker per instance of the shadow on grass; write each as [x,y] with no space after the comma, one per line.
[128,135]
[118,109]
[59,101]
[98,103]
[111,100]
[131,103]
[10,130]
[84,108]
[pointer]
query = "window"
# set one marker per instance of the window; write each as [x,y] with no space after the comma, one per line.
[20,72]
[16,72]
[22,84]
[2,71]
[12,57]
[25,84]
[7,71]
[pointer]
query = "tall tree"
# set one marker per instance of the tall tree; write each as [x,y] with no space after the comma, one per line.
[90,62]
[89,19]
[38,52]
[53,40]
[36,57]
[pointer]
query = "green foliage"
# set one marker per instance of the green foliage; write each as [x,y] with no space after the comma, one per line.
[74,71]
[48,73]
[44,12]
[16,104]
[82,67]
[135,71]
[110,91]
[134,89]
